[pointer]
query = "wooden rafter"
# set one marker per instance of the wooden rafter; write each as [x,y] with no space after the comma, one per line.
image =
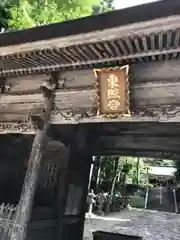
[138,42]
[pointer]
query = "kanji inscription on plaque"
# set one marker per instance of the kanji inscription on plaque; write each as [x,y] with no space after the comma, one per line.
[113,90]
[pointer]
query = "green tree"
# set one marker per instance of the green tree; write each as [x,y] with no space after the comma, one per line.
[5,15]
[30,13]
[159,162]
[115,171]
[104,6]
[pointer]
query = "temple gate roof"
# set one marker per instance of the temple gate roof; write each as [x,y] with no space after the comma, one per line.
[138,34]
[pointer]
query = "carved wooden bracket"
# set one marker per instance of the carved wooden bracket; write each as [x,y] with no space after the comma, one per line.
[14,127]
[48,88]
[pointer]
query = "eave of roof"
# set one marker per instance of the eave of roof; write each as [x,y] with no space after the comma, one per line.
[142,13]
[148,32]
[129,49]
[164,171]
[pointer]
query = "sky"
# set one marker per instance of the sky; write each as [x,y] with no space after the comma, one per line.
[128,3]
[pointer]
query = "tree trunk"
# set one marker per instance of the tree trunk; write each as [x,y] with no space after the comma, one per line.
[113,185]
[91,174]
[124,194]
[116,174]
[137,171]
[119,174]
[98,173]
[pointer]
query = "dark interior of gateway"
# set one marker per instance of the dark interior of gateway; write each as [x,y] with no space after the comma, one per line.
[126,139]
[145,139]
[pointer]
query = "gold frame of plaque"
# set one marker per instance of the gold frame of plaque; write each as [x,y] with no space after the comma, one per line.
[113,91]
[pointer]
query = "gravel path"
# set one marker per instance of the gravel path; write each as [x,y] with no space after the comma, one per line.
[151,225]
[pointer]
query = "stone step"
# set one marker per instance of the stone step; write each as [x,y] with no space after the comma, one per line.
[161,199]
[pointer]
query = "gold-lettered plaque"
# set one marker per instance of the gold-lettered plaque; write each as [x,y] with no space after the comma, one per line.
[113,91]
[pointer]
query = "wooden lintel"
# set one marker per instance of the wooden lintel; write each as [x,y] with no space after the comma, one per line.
[137,142]
[163,113]
[137,153]
[30,84]
[154,97]
[25,84]
[147,129]
[89,116]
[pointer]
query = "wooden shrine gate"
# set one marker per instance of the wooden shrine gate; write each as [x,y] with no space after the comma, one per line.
[102,85]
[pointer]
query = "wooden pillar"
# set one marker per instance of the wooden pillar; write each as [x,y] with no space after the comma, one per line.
[24,208]
[85,171]
[73,188]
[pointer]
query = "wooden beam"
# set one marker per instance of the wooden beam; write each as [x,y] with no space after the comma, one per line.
[155,99]
[26,84]
[30,84]
[32,104]
[21,105]
[137,153]
[101,126]
[94,62]
[138,142]
[155,71]
[136,128]
[145,74]
[77,79]
[163,113]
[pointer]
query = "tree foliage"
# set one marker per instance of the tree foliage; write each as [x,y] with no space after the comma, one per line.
[21,14]
[159,162]
[5,15]
[104,6]
[29,13]
[117,171]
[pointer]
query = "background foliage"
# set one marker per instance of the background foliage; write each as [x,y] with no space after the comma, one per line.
[21,14]
[113,172]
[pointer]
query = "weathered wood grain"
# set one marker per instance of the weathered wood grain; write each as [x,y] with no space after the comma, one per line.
[91,37]
[31,84]
[136,128]
[154,96]
[78,78]
[165,93]
[81,106]
[138,142]
[136,153]
[12,117]
[81,99]
[155,71]
[25,84]
[151,73]
[20,99]
[22,106]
